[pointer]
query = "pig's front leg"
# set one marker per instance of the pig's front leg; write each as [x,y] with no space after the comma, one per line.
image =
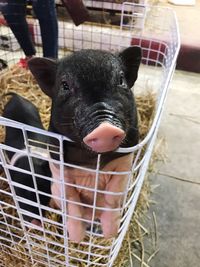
[76,227]
[110,220]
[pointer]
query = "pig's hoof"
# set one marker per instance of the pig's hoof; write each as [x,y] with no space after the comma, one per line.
[76,232]
[76,238]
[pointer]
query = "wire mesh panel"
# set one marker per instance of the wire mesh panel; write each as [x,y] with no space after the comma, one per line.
[39,226]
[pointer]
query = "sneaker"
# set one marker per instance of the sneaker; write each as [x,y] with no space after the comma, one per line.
[23,62]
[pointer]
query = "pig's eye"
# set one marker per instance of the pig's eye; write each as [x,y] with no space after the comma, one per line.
[122,81]
[64,86]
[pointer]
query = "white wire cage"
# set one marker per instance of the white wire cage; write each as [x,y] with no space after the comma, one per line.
[155,30]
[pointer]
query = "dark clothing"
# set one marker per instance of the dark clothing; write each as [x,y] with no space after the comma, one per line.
[15,14]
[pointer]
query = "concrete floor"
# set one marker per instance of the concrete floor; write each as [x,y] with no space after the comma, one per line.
[178,196]
[188,18]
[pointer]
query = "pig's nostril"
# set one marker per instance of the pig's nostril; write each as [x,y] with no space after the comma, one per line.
[92,141]
[118,138]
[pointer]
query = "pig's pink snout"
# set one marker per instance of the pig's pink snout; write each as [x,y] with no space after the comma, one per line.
[106,137]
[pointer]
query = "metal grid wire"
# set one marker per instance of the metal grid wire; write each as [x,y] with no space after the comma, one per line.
[155,30]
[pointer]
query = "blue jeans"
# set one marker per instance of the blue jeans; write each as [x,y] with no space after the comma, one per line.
[15,14]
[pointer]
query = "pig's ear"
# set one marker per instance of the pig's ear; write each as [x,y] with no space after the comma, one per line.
[131,58]
[44,71]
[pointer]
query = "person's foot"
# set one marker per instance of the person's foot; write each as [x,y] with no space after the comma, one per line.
[23,62]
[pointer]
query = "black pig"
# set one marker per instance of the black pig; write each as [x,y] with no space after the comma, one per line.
[92,103]
[22,110]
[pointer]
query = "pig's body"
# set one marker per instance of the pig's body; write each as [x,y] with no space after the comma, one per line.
[93,105]
[21,110]
[110,220]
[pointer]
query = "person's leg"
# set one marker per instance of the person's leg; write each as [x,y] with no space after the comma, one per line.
[46,13]
[15,15]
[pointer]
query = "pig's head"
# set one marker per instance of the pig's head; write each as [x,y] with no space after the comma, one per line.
[92,101]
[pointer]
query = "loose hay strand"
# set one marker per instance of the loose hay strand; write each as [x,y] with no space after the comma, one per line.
[21,81]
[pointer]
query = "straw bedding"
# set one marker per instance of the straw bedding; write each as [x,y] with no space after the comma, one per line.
[21,81]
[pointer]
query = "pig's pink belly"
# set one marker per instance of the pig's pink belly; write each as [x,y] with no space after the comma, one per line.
[81,179]
[87,197]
